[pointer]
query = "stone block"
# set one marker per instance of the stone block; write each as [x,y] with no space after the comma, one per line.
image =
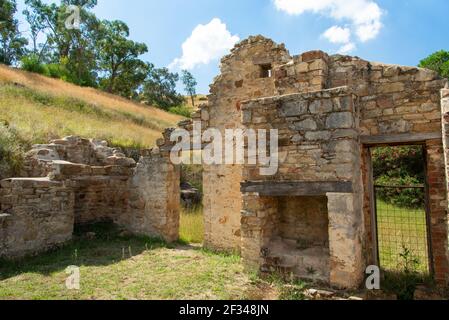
[294,108]
[340,120]
[318,135]
[306,125]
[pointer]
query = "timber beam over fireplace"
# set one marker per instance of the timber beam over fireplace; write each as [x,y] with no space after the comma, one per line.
[295,188]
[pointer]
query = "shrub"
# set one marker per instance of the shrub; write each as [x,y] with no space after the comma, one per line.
[181,111]
[401,197]
[11,152]
[399,162]
[400,166]
[31,63]
[404,281]
[58,71]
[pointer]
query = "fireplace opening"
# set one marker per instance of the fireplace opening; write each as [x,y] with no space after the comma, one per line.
[299,245]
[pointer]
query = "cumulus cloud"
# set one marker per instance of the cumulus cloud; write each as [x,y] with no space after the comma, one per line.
[342,36]
[337,34]
[347,48]
[364,17]
[206,43]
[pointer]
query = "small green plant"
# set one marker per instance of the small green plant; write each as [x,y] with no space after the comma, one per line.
[311,271]
[409,263]
[404,282]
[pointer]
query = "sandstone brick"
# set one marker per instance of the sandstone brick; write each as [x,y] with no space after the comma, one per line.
[306,125]
[341,120]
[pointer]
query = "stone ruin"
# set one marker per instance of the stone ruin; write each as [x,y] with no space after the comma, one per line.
[316,213]
[80,181]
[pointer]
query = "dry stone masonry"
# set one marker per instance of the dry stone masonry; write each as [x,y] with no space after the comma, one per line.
[313,219]
[328,110]
[79,181]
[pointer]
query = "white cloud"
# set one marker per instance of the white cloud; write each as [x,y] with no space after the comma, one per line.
[364,16]
[206,43]
[337,34]
[347,48]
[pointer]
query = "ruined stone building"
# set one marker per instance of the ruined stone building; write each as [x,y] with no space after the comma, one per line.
[329,111]
[74,181]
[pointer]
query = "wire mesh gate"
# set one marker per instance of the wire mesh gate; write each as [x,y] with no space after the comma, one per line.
[402,228]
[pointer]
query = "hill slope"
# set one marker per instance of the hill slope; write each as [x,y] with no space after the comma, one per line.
[39,108]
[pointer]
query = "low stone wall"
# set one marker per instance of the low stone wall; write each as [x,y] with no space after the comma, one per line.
[154,199]
[36,215]
[101,193]
[39,213]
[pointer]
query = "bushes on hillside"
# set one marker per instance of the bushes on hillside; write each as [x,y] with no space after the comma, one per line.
[11,152]
[401,197]
[31,63]
[181,111]
[400,166]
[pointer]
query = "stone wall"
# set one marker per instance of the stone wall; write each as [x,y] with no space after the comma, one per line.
[101,193]
[37,215]
[242,77]
[318,134]
[154,198]
[73,149]
[329,110]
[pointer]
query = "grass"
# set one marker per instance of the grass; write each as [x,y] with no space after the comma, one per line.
[119,268]
[400,230]
[192,225]
[41,108]
[199,99]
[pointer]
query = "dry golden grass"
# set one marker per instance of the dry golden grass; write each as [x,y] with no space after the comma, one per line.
[199,99]
[101,115]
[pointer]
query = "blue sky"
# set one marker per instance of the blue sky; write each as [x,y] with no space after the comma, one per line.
[391,31]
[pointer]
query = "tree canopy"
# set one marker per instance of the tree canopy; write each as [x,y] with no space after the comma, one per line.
[189,84]
[438,61]
[96,53]
[12,44]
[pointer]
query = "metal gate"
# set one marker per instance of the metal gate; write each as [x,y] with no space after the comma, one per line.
[403,228]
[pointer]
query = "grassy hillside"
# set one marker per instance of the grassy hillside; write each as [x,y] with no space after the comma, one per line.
[199,99]
[40,108]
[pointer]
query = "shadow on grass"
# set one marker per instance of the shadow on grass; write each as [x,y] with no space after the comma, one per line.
[93,245]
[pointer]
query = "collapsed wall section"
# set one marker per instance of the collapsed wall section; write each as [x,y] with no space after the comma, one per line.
[40,213]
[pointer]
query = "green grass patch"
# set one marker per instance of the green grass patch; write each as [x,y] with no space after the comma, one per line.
[402,231]
[192,225]
[117,267]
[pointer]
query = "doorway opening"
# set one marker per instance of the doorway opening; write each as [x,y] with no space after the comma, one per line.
[401,209]
[191,228]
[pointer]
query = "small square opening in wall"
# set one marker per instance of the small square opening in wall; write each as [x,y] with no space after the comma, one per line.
[266,71]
